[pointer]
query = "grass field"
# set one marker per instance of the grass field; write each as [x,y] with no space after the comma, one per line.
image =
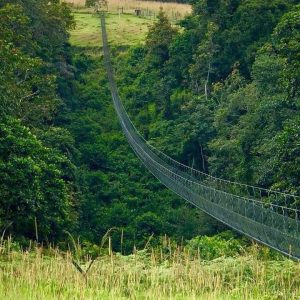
[125,30]
[49,274]
[172,9]
[149,9]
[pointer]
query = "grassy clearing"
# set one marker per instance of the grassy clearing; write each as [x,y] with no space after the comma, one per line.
[125,30]
[50,274]
[149,9]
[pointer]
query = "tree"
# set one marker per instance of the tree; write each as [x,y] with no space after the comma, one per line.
[158,40]
[27,84]
[33,187]
[202,69]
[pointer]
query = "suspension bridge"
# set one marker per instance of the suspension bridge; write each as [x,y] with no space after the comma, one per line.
[267,216]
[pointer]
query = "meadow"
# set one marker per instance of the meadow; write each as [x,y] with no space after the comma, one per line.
[48,273]
[123,30]
[149,9]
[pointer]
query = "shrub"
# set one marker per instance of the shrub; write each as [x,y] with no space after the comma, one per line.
[223,244]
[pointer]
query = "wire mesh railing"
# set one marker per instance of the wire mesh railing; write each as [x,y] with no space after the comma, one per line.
[270,217]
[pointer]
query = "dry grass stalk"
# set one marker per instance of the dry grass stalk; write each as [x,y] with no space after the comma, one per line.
[153,274]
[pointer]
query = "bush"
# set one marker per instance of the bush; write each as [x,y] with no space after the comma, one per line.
[223,244]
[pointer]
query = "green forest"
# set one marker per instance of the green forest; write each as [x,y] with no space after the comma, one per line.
[80,215]
[219,91]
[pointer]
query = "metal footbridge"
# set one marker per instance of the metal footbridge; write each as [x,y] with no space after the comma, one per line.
[267,216]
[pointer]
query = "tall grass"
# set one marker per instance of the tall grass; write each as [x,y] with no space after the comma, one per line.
[48,273]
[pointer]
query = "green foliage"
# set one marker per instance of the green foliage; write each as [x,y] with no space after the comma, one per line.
[90,3]
[158,39]
[37,176]
[230,89]
[220,94]
[27,91]
[34,189]
[220,245]
[115,191]
[257,113]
